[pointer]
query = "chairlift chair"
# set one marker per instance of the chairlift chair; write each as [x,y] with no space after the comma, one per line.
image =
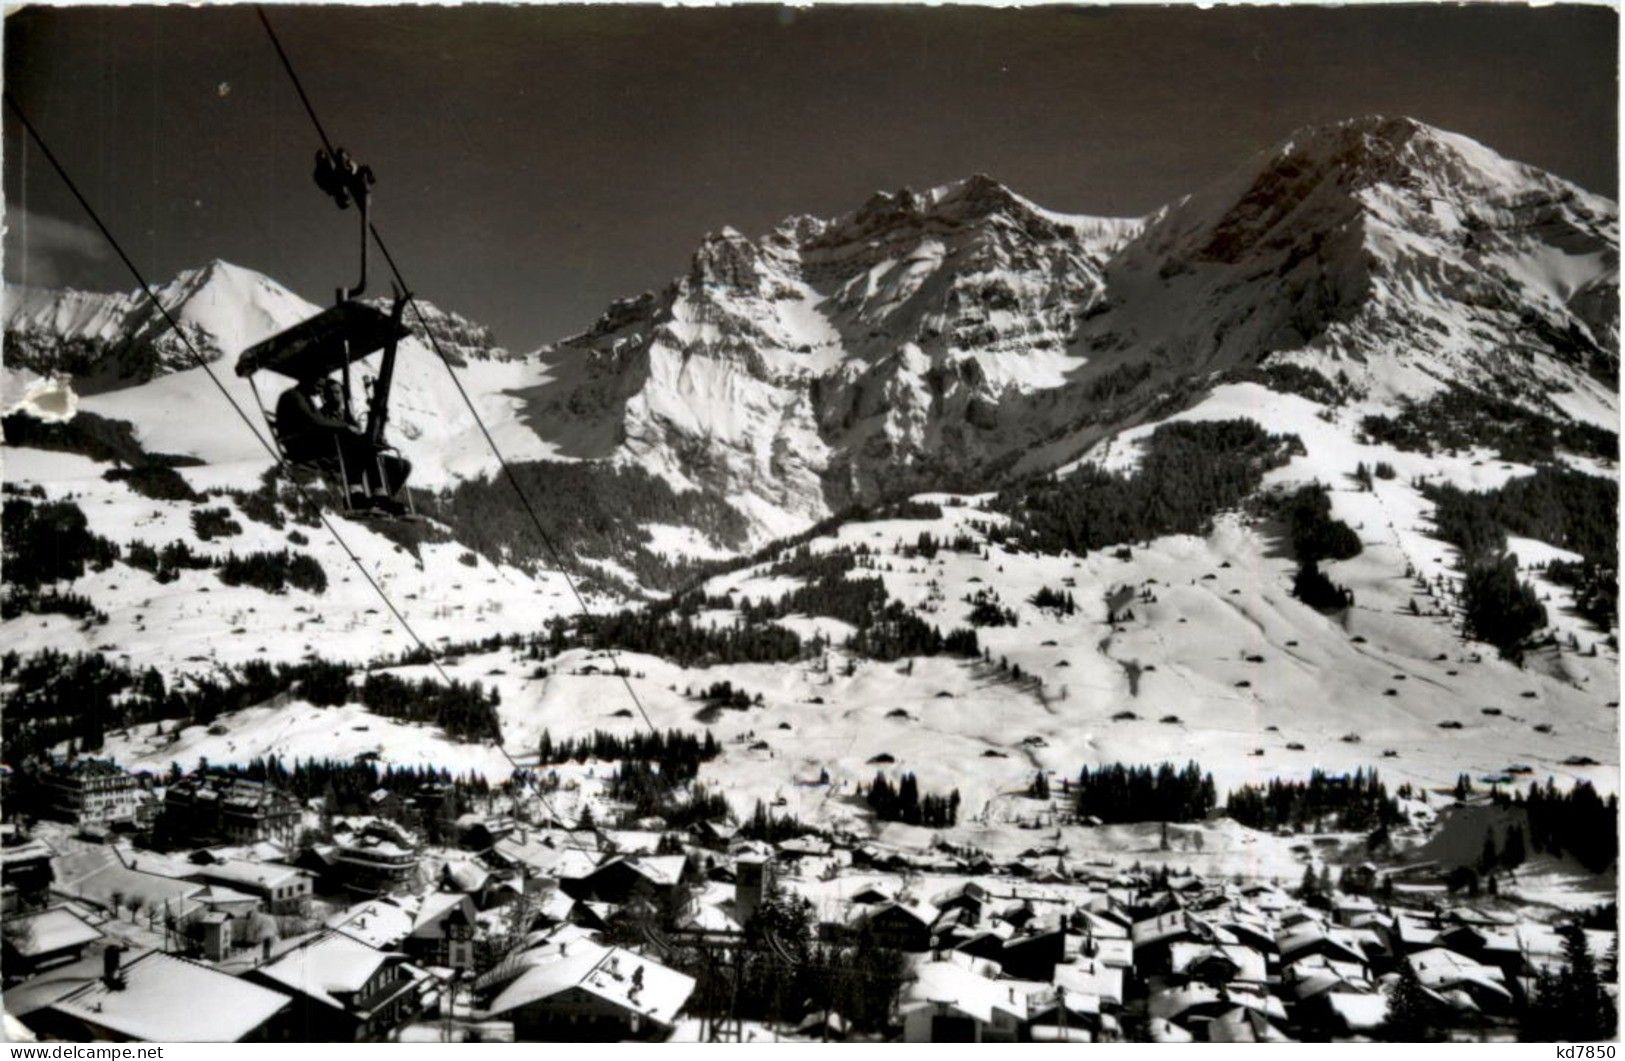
[327,344]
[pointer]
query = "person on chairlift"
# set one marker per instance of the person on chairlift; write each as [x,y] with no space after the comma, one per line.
[315,433]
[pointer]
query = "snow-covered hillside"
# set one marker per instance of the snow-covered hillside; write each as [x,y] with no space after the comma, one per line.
[1223,665]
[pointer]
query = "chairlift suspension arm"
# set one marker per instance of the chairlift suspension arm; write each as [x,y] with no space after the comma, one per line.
[364,208]
[378,410]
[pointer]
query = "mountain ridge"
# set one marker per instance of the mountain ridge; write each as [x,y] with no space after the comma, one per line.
[951,336]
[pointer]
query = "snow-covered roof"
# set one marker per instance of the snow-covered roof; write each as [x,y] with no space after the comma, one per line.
[377,922]
[616,976]
[1361,1012]
[1307,934]
[466,874]
[329,965]
[1163,927]
[49,931]
[1244,1025]
[102,884]
[167,999]
[1442,970]
[434,906]
[950,984]
[1089,976]
[632,841]
[1162,1030]
[243,872]
[1249,964]
[1176,1001]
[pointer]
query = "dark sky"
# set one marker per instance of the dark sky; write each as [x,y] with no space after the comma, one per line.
[535,163]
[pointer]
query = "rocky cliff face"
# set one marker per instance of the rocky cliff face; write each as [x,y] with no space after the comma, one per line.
[932,338]
[832,359]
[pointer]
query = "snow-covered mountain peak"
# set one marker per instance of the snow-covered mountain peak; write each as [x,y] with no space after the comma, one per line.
[1400,255]
[118,339]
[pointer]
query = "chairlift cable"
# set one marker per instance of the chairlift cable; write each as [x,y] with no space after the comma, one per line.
[513,481]
[236,406]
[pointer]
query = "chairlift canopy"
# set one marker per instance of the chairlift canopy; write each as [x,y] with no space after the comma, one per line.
[316,347]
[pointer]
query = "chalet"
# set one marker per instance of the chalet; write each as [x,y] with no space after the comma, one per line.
[1461,981]
[1058,1015]
[1218,963]
[621,877]
[1312,937]
[159,998]
[1034,956]
[25,874]
[953,1002]
[381,923]
[1093,978]
[443,931]
[54,937]
[344,989]
[1244,1025]
[1195,1005]
[900,926]
[589,991]
[477,832]
[1154,939]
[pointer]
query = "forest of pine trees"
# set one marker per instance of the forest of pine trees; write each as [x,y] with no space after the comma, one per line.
[1059,601]
[1573,1004]
[49,541]
[1190,472]
[166,564]
[884,628]
[463,710]
[273,572]
[216,522]
[902,802]
[1312,586]
[676,753]
[61,697]
[593,509]
[1560,506]
[678,638]
[346,783]
[1345,802]
[1315,534]
[655,771]
[1460,418]
[770,828]
[1576,822]
[1119,793]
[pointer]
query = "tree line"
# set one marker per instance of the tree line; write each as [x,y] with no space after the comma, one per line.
[903,802]
[1344,802]
[1117,793]
[1460,418]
